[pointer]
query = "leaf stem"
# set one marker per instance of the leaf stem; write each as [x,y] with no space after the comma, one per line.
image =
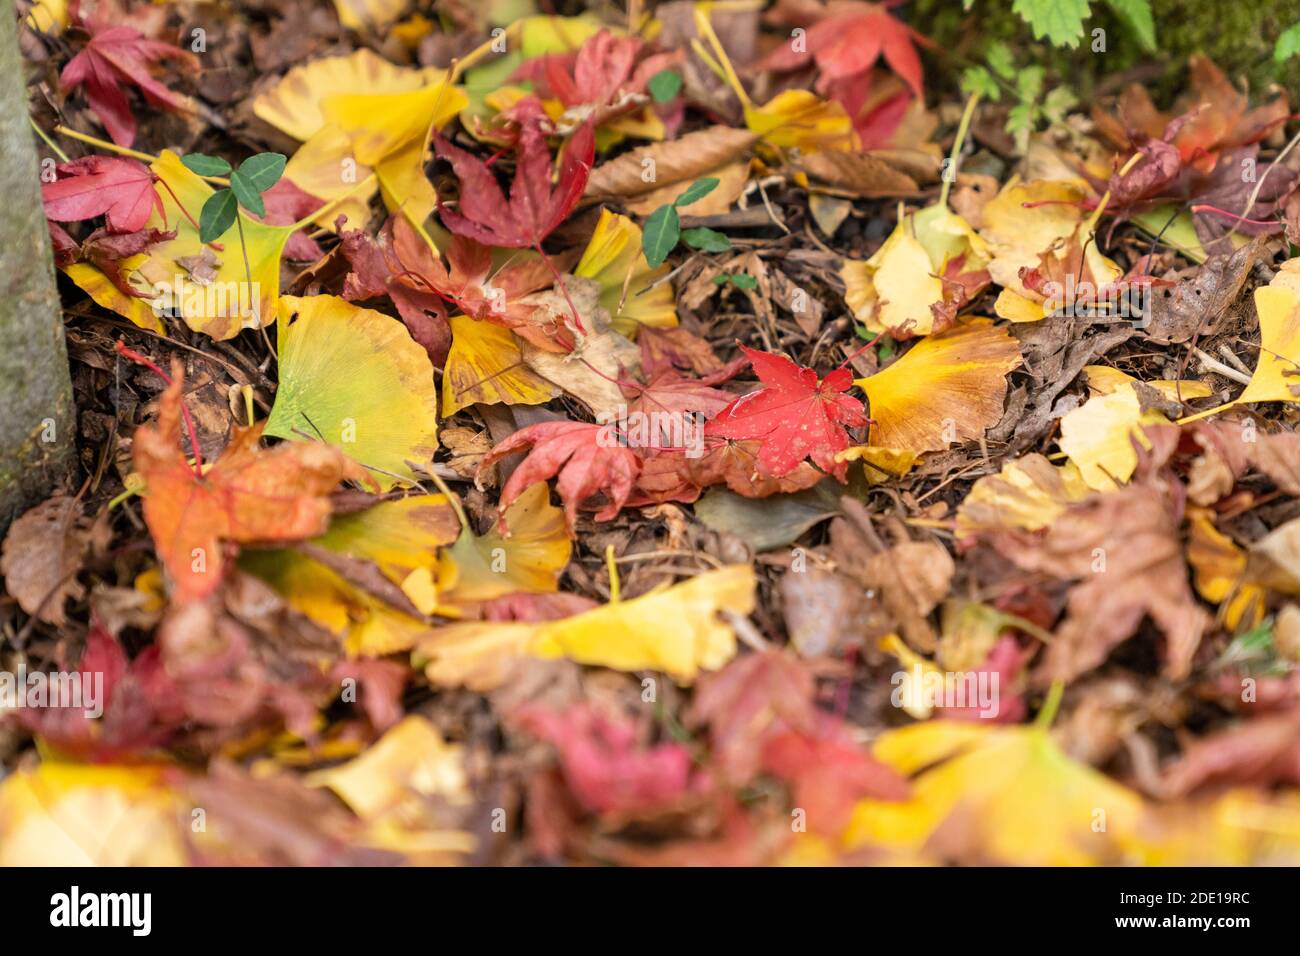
[49,142]
[139,359]
[955,157]
[1050,706]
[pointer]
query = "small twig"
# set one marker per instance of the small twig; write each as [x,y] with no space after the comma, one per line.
[1214,365]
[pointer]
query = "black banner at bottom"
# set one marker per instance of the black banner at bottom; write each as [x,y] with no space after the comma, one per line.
[335,906]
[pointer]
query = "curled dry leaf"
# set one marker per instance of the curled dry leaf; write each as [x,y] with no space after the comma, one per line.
[42,553]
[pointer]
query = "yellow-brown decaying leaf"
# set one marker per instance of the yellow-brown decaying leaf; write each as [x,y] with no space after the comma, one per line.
[1219,573]
[1028,493]
[675,163]
[946,388]
[486,365]
[1099,434]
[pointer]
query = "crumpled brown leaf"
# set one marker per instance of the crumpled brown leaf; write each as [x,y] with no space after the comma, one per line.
[1123,551]
[42,553]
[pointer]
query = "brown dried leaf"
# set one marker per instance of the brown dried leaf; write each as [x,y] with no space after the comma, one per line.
[43,552]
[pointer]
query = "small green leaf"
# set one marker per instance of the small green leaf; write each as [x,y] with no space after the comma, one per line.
[662,230]
[1030,82]
[706,240]
[664,85]
[263,170]
[743,281]
[217,216]
[976,79]
[696,191]
[1001,60]
[1136,15]
[1288,44]
[205,165]
[247,194]
[1059,21]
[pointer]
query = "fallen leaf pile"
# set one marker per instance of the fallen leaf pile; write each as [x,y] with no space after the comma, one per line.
[695,437]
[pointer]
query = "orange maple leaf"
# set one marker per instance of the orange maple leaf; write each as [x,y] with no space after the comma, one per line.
[249,494]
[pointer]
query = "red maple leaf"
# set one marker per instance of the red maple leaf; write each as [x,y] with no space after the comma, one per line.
[137,699]
[796,415]
[602,78]
[828,772]
[534,208]
[117,57]
[392,266]
[120,189]
[603,765]
[845,38]
[585,456]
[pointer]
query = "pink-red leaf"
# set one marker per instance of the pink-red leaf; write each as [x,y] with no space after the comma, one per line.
[120,189]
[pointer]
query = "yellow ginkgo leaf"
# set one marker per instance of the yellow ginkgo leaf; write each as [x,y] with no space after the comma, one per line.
[802,120]
[294,105]
[325,167]
[65,814]
[409,762]
[615,260]
[366,625]
[90,280]
[1021,800]
[1099,434]
[370,15]
[1025,219]
[946,388]
[49,17]
[899,288]
[1075,272]
[220,305]
[672,629]
[1240,828]
[1219,572]
[486,365]
[879,464]
[530,559]
[1277,372]
[1028,493]
[390,133]
[355,378]
[397,787]
[401,538]
[1277,376]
